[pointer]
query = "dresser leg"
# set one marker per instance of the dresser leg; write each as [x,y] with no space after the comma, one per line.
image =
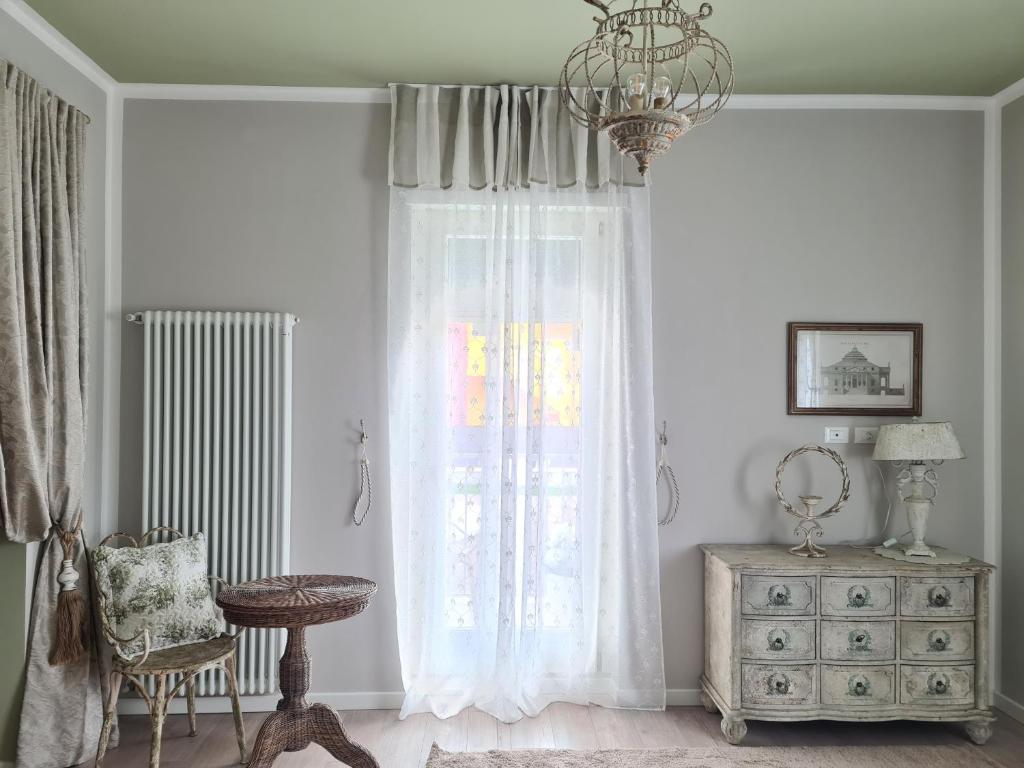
[733,730]
[708,702]
[979,731]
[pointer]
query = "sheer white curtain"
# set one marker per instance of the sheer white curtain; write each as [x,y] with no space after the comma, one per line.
[522,449]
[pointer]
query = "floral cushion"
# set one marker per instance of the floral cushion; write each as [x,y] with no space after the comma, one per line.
[162,587]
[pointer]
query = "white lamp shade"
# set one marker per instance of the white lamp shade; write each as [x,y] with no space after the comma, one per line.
[920,441]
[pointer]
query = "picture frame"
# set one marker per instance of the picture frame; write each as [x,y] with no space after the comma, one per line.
[854,369]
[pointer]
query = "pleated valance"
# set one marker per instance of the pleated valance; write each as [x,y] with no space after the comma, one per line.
[489,137]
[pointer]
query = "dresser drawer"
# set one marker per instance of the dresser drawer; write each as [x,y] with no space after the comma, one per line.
[780,684]
[786,640]
[850,685]
[778,595]
[937,640]
[937,596]
[937,685]
[858,596]
[858,640]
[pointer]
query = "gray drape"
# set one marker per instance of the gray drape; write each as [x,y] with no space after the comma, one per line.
[42,392]
[483,137]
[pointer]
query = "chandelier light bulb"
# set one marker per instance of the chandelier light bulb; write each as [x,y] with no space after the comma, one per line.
[636,87]
[661,91]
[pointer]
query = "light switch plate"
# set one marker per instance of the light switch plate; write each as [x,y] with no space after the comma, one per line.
[837,434]
[865,435]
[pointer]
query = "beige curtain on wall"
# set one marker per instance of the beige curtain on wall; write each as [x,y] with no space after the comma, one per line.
[42,394]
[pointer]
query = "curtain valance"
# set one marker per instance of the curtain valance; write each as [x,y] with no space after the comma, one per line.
[486,137]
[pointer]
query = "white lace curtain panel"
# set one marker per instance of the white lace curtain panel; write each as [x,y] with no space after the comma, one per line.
[521,409]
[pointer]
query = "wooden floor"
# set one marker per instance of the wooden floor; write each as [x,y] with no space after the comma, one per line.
[406,743]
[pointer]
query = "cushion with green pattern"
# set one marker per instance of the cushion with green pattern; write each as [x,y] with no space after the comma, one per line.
[161,587]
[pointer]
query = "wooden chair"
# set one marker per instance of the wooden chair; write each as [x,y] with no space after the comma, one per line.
[184,661]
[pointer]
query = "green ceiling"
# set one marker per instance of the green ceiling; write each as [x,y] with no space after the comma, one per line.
[962,47]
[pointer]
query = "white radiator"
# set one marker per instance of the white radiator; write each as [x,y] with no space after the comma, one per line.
[216,453]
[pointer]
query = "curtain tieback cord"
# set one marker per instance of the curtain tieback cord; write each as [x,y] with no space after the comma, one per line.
[665,470]
[365,497]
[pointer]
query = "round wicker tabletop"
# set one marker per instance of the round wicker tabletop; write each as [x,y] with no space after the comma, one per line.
[295,601]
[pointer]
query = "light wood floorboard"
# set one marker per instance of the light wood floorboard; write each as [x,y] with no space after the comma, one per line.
[406,743]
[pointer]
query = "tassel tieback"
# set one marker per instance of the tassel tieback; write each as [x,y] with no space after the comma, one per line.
[71,635]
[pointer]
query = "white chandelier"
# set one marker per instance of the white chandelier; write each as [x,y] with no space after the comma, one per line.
[648,75]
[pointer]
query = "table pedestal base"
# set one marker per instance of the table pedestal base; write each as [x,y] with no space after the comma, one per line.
[290,731]
[295,725]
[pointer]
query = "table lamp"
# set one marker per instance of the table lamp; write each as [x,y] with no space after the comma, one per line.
[910,446]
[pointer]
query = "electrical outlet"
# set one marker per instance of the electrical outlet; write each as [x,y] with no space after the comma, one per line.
[837,434]
[865,435]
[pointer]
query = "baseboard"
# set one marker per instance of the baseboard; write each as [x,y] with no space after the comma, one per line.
[674,697]
[1008,706]
[682,697]
[130,705]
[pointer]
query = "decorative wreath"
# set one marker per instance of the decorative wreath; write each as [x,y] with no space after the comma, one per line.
[844,494]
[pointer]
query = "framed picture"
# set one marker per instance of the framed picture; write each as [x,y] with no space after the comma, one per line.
[854,369]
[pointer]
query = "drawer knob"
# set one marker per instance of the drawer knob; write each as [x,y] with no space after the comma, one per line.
[778,640]
[779,596]
[859,685]
[939,597]
[938,684]
[858,596]
[860,640]
[778,684]
[938,640]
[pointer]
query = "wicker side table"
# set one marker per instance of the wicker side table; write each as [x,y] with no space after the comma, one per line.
[294,603]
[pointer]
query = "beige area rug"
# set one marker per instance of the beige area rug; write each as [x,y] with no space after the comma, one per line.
[952,756]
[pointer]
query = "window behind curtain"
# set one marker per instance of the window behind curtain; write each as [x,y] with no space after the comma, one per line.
[549,368]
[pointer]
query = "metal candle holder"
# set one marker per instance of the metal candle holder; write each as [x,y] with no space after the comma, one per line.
[809,526]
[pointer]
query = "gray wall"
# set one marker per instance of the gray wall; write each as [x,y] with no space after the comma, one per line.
[766,217]
[761,218]
[25,51]
[1013,403]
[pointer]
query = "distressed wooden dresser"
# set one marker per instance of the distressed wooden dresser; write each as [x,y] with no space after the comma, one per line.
[851,636]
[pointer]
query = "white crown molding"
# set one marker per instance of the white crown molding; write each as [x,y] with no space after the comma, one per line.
[1009,94]
[183,92]
[856,101]
[47,34]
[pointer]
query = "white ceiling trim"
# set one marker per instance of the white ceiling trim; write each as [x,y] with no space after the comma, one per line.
[1009,94]
[856,101]
[48,35]
[185,92]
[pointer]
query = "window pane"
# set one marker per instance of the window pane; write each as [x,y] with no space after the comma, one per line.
[542,360]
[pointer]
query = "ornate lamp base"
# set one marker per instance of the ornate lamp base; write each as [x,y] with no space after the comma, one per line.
[295,725]
[917,516]
[643,135]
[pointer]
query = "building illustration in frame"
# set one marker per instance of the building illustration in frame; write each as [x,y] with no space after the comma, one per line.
[855,374]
